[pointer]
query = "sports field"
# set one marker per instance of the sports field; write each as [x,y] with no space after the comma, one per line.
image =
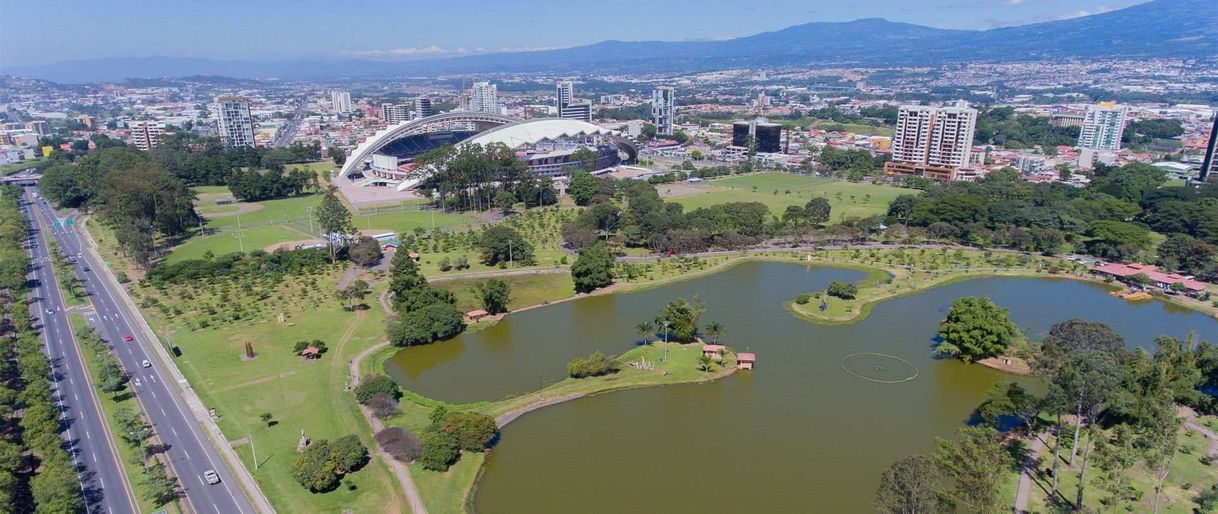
[779,190]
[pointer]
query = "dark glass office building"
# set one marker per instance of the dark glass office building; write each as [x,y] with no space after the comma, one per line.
[769,138]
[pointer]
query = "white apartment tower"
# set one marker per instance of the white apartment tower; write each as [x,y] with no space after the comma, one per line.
[422,107]
[484,97]
[663,112]
[565,94]
[341,100]
[934,142]
[570,108]
[1102,127]
[235,123]
[146,135]
[395,113]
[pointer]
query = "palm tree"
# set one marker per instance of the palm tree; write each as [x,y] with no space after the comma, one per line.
[644,330]
[705,363]
[714,329]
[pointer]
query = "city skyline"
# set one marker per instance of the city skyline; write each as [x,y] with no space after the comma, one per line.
[246,33]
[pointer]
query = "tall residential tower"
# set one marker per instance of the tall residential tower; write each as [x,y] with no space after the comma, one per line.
[568,107]
[341,101]
[934,142]
[1209,166]
[484,97]
[1102,127]
[235,123]
[663,99]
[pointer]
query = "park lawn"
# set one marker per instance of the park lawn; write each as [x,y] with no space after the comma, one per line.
[857,128]
[1186,470]
[527,290]
[407,221]
[780,190]
[128,455]
[300,395]
[226,242]
[285,210]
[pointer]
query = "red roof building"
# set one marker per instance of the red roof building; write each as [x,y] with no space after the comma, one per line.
[476,315]
[745,360]
[1158,278]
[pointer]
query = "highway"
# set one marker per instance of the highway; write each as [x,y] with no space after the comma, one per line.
[102,483]
[288,132]
[188,449]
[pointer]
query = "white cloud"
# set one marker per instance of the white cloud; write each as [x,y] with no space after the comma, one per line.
[1014,2]
[399,52]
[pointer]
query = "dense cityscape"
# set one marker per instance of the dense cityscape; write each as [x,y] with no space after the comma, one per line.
[504,282]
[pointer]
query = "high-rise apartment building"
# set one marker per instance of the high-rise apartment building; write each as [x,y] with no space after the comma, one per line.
[341,100]
[395,113]
[484,97]
[1102,127]
[934,142]
[146,135]
[422,107]
[235,123]
[568,107]
[663,99]
[1209,165]
[39,126]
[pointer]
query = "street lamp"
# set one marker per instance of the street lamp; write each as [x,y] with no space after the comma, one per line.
[665,357]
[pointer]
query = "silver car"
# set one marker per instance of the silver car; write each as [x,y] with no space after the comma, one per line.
[211,476]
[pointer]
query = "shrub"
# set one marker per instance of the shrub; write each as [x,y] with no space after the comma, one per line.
[803,298]
[121,277]
[596,365]
[428,324]
[383,406]
[843,290]
[373,384]
[471,430]
[323,464]
[400,444]
[440,450]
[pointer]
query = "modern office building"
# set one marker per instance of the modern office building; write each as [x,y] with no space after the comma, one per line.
[567,106]
[146,135]
[235,124]
[341,100]
[484,97]
[395,113]
[663,113]
[39,126]
[422,107]
[1209,165]
[766,136]
[1062,118]
[934,142]
[1102,127]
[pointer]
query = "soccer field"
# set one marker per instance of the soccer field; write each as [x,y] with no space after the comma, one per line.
[780,190]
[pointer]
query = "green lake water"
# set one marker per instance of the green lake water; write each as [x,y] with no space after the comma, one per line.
[798,434]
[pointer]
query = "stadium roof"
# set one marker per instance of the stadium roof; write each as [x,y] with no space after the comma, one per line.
[534,131]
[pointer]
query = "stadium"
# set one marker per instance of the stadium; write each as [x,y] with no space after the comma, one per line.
[546,145]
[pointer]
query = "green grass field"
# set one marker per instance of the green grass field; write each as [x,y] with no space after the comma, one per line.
[227,242]
[527,290]
[780,190]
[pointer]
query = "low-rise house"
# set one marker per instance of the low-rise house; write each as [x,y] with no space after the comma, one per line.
[1158,279]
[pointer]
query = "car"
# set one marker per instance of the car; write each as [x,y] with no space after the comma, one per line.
[86,268]
[128,338]
[80,254]
[50,311]
[146,364]
[211,477]
[136,381]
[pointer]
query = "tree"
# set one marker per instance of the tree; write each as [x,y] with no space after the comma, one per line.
[495,295]
[370,385]
[502,243]
[425,325]
[910,486]
[111,378]
[975,328]
[714,329]
[315,469]
[132,428]
[383,406]
[159,487]
[1117,240]
[645,330]
[400,443]
[596,365]
[356,292]
[472,431]
[366,251]
[440,450]
[338,155]
[582,187]
[843,290]
[504,200]
[349,454]
[974,463]
[1008,401]
[334,220]
[593,269]
[1187,253]
[1082,384]
[681,319]
[1114,457]
[266,418]
[817,210]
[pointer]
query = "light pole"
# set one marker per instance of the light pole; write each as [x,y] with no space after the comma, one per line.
[665,357]
[510,262]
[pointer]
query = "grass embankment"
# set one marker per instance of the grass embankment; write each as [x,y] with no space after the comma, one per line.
[896,272]
[527,290]
[12,168]
[1190,475]
[132,458]
[780,190]
[449,492]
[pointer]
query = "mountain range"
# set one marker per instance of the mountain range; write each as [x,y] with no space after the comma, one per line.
[1157,29]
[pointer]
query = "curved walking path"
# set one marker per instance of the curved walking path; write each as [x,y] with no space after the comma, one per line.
[511,415]
[400,470]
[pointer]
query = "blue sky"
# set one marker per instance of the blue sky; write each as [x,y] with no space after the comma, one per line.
[41,33]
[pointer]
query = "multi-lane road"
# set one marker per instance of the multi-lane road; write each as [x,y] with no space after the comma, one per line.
[188,450]
[90,443]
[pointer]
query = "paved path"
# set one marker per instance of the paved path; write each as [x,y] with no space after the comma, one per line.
[511,415]
[400,470]
[1031,459]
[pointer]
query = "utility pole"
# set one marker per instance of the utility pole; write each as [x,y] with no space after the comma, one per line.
[509,252]
[250,436]
[665,357]
[240,234]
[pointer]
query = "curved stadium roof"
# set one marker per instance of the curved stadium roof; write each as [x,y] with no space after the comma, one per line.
[534,131]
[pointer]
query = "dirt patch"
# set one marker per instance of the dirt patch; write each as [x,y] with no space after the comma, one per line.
[242,208]
[677,189]
[1013,365]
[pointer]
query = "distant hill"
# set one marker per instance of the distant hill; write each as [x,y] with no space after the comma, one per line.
[1160,28]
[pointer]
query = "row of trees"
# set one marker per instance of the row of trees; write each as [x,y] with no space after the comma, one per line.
[424,313]
[255,186]
[477,177]
[1111,218]
[135,195]
[36,473]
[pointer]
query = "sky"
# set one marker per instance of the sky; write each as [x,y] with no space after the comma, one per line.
[33,33]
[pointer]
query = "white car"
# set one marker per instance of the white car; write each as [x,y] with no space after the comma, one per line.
[211,477]
[146,364]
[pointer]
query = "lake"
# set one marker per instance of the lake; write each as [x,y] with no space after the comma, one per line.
[799,433]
